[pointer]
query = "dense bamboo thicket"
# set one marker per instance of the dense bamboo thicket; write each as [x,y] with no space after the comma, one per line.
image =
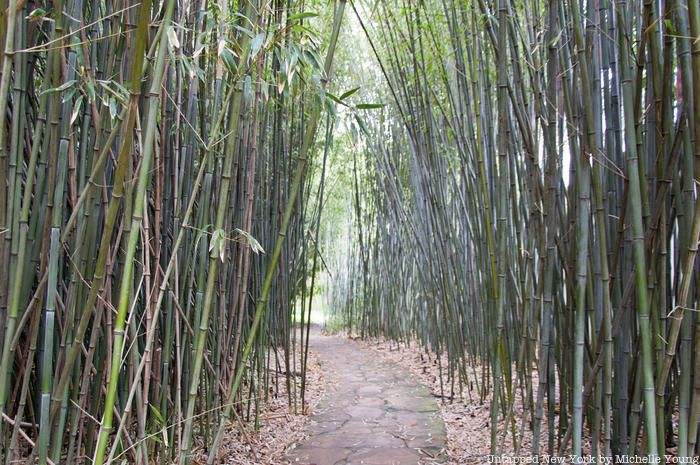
[529,201]
[152,241]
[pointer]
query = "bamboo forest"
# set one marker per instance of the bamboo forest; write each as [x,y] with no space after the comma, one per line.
[349,231]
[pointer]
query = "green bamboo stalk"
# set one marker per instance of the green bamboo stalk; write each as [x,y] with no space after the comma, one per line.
[214,257]
[11,319]
[136,221]
[638,240]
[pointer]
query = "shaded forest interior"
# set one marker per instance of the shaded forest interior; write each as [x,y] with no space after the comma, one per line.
[186,184]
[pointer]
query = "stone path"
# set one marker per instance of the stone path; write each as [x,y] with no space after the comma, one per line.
[372,414]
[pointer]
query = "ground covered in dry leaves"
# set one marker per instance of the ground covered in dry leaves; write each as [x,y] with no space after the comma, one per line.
[466,417]
[279,426]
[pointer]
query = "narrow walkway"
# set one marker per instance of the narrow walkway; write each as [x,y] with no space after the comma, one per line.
[372,414]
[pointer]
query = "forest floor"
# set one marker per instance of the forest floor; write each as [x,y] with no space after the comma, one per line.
[280,425]
[373,402]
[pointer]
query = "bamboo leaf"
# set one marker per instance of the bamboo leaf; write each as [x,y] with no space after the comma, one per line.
[669,26]
[172,39]
[36,15]
[76,109]
[252,242]
[66,85]
[336,99]
[363,125]
[217,244]
[199,51]
[349,93]
[312,57]
[302,15]
[229,59]
[245,31]
[256,44]
[330,106]
[370,106]
[354,136]
[156,412]
[333,97]
[112,108]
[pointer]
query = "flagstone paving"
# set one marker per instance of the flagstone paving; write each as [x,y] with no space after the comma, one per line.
[374,413]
